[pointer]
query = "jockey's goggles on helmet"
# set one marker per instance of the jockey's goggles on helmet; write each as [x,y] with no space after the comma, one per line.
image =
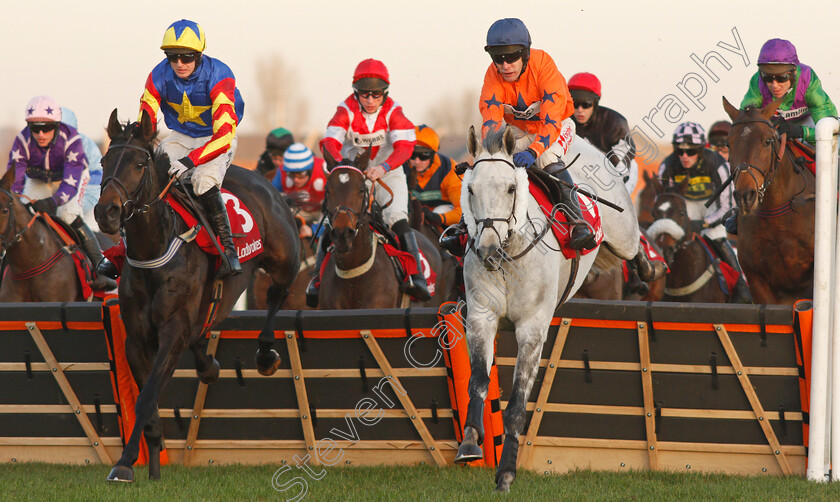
[422,155]
[41,127]
[585,104]
[784,77]
[719,141]
[185,58]
[510,57]
[691,152]
[371,94]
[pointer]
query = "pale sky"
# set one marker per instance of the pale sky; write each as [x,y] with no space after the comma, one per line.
[94,56]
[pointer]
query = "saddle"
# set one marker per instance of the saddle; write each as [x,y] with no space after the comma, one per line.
[547,183]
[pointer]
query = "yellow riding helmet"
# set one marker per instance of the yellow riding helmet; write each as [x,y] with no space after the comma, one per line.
[427,137]
[184,34]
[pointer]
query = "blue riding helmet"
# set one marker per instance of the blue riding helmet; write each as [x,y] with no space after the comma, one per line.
[298,158]
[506,32]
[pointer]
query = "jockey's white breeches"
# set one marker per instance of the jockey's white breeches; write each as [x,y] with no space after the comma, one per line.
[207,175]
[70,210]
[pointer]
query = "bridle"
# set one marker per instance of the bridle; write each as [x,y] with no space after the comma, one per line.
[689,233]
[18,236]
[357,217]
[778,152]
[489,222]
[143,186]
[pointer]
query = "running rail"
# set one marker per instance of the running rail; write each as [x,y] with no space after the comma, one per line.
[826,325]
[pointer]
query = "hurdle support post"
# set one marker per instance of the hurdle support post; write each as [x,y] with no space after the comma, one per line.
[825,359]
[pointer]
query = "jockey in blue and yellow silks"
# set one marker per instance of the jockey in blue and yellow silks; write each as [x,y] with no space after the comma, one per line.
[202,106]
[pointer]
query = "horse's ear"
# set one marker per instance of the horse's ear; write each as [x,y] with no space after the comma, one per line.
[8,180]
[363,160]
[509,140]
[647,176]
[328,159]
[114,126]
[472,143]
[658,187]
[147,126]
[730,109]
[770,110]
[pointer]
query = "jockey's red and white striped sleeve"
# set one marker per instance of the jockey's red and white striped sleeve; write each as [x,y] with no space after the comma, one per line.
[388,132]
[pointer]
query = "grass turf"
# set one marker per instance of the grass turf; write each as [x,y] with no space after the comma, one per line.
[45,482]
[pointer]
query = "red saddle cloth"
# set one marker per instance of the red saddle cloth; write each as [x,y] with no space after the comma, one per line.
[407,263]
[561,231]
[246,235]
[730,275]
[798,151]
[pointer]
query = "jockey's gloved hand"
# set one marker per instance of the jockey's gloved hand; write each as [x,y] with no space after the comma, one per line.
[432,217]
[46,205]
[178,167]
[525,158]
[793,131]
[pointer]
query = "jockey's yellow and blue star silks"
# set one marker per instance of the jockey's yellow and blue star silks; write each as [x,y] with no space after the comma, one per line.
[205,104]
[184,34]
[537,103]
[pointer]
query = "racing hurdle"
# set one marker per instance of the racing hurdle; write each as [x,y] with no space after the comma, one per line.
[825,363]
[621,386]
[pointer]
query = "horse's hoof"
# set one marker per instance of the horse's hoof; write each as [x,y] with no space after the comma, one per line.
[211,374]
[504,481]
[267,366]
[468,452]
[122,474]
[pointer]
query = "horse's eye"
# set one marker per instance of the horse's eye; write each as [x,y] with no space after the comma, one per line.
[511,188]
[469,190]
[768,141]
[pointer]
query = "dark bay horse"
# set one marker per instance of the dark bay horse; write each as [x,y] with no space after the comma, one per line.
[38,269]
[776,208]
[166,305]
[692,276]
[359,274]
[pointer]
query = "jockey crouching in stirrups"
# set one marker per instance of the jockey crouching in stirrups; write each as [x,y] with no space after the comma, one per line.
[523,88]
[368,118]
[48,160]
[202,106]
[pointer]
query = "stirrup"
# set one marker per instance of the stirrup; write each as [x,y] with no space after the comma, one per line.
[584,240]
[312,293]
[452,241]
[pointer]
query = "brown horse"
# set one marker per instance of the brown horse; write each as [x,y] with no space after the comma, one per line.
[168,284]
[692,276]
[644,200]
[359,273]
[38,268]
[257,298]
[776,208]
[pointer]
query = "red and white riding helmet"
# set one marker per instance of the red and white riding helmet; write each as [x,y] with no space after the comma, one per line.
[371,75]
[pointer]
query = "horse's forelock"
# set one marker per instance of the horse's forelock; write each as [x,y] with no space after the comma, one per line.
[494,141]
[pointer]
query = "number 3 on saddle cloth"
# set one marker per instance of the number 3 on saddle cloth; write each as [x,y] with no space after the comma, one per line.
[246,235]
[404,263]
[561,230]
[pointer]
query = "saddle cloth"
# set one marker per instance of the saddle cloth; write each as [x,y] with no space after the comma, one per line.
[246,235]
[562,231]
[726,275]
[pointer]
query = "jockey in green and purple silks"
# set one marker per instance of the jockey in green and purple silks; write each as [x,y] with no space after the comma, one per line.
[781,75]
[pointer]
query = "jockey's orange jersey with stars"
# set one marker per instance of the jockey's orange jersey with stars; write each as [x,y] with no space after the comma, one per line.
[207,103]
[536,103]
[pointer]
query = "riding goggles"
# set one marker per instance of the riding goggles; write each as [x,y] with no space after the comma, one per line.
[185,58]
[41,127]
[784,77]
[691,152]
[421,155]
[510,57]
[371,94]
[585,104]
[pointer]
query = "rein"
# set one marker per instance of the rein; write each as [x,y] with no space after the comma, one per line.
[769,175]
[357,216]
[489,222]
[18,236]
[141,186]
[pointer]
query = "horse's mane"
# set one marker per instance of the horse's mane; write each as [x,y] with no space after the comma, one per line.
[494,140]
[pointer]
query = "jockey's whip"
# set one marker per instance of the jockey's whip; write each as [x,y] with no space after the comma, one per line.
[715,196]
[586,193]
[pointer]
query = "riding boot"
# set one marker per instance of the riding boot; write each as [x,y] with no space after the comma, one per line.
[635,284]
[107,268]
[453,239]
[214,206]
[90,246]
[582,237]
[740,292]
[417,286]
[313,289]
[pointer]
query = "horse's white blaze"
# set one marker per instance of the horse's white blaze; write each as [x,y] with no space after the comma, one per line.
[343,177]
[664,207]
[665,226]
